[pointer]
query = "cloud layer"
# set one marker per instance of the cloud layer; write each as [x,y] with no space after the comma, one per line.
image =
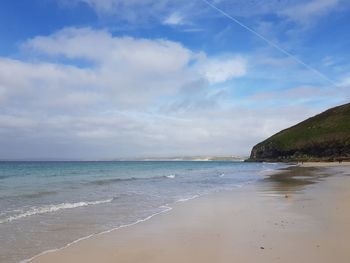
[174,12]
[90,87]
[130,89]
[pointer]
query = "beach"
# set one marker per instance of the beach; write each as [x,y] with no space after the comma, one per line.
[145,131]
[301,214]
[47,205]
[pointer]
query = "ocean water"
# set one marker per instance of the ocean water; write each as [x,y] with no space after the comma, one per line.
[47,205]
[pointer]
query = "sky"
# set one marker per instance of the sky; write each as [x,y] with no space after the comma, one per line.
[109,79]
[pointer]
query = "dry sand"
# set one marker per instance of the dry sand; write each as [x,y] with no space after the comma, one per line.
[300,216]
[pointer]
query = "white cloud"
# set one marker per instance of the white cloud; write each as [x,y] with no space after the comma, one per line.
[223,69]
[130,11]
[308,12]
[174,19]
[131,72]
[102,48]
[140,12]
[110,135]
[131,67]
[149,7]
[114,6]
[131,97]
[112,103]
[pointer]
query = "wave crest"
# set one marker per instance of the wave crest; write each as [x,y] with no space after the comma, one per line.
[52,208]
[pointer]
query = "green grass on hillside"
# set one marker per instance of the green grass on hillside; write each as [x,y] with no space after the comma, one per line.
[330,129]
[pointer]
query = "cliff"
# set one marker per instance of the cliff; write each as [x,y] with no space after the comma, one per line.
[324,137]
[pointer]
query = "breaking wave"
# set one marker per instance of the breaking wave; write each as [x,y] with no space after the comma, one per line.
[51,208]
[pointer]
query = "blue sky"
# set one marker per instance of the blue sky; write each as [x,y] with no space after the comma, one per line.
[104,79]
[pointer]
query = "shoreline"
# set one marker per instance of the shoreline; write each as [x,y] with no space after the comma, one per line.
[49,220]
[324,164]
[166,207]
[307,163]
[128,250]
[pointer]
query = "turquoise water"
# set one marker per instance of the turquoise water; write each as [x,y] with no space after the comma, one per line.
[46,205]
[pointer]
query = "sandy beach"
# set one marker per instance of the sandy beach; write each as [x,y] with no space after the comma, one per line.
[324,164]
[299,215]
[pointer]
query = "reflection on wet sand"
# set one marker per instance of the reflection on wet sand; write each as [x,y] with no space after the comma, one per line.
[291,180]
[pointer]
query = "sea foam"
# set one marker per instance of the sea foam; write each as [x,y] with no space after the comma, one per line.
[51,208]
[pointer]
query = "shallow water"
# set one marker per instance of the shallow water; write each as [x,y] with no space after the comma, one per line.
[46,205]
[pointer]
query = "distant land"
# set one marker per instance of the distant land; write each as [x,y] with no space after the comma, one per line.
[176,158]
[191,158]
[324,137]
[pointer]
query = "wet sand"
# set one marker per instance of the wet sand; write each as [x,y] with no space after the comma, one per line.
[299,215]
[324,164]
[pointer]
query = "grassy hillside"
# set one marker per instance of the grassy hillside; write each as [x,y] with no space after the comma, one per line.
[323,137]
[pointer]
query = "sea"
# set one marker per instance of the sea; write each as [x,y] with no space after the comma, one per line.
[45,206]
